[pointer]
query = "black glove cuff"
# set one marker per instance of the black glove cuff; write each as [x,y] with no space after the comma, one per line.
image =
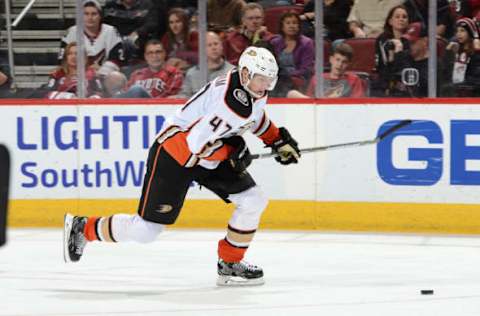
[285,138]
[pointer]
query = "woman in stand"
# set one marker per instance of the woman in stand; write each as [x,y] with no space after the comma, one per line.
[63,82]
[295,54]
[181,43]
[462,61]
[392,52]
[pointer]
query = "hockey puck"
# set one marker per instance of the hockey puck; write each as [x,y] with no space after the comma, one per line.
[426,292]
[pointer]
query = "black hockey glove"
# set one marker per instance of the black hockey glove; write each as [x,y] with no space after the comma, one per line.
[240,158]
[286,148]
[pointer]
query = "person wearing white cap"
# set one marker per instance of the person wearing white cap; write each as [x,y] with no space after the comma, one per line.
[102,41]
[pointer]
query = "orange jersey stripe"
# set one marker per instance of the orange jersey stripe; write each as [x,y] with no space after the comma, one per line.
[177,147]
[223,153]
[270,135]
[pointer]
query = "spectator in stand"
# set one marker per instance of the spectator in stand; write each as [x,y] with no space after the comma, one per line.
[250,32]
[272,3]
[224,14]
[217,66]
[62,83]
[295,55]
[418,12]
[392,52]
[338,83]
[180,43]
[102,41]
[462,61]
[4,78]
[417,35]
[135,20]
[115,85]
[158,78]
[461,8]
[367,17]
[335,14]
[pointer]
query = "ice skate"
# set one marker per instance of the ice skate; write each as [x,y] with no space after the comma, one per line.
[73,238]
[238,274]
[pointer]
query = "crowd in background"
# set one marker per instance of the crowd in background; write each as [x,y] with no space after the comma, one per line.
[149,48]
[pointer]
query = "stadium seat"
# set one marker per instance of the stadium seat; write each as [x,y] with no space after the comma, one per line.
[441,46]
[363,54]
[474,6]
[273,15]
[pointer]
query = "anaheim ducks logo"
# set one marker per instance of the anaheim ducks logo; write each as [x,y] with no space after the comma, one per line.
[241,96]
[164,208]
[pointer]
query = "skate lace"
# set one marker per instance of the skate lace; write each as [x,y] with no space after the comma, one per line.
[79,243]
[78,240]
[248,266]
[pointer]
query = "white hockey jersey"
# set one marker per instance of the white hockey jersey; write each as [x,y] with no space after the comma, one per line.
[221,109]
[107,45]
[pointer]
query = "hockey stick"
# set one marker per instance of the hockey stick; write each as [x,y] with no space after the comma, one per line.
[343,145]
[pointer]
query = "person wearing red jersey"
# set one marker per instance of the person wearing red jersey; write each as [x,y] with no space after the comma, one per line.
[158,78]
[203,142]
[62,83]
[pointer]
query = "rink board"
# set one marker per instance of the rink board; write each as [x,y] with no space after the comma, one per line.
[90,159]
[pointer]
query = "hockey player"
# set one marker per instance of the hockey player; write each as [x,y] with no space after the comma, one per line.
[203,142]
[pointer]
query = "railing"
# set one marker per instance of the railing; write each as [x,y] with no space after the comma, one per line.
[9,25]
[61,9]
[22,14]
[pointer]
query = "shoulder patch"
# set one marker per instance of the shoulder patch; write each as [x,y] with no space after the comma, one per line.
[236,98]
[241,96]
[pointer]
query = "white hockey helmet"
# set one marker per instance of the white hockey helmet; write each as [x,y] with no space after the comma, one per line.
[258,60]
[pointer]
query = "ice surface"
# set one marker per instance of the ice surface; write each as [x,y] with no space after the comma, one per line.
[306,273]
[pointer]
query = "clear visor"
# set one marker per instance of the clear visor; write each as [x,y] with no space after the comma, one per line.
[263,82]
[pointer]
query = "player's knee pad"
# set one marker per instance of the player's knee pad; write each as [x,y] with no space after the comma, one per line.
[250,206]
[255,200]
[143,231]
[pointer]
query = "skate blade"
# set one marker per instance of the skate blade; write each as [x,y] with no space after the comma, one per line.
[67,228]
[224,280]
